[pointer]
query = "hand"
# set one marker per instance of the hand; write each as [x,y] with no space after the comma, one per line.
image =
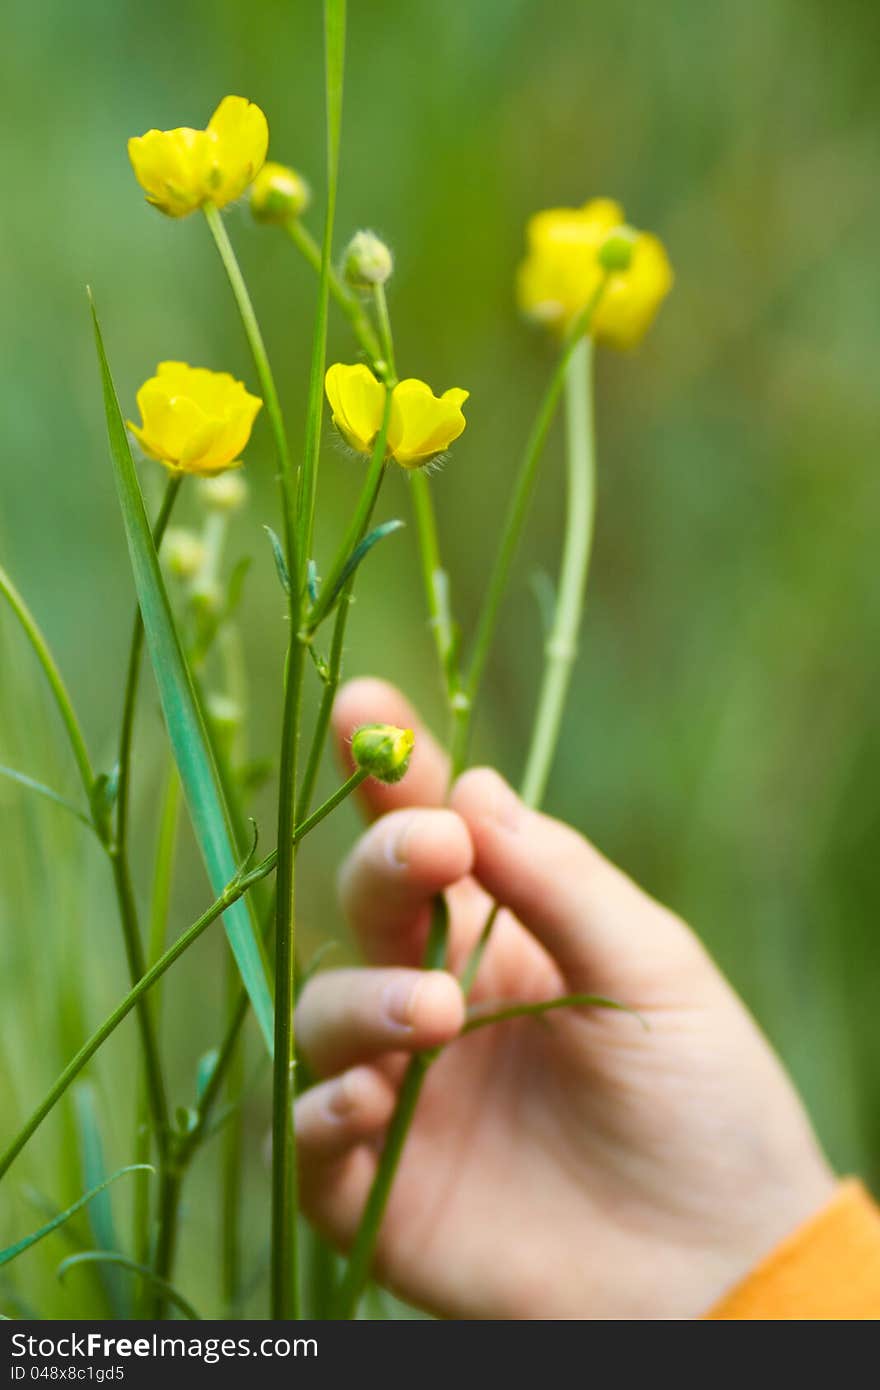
[576,1165]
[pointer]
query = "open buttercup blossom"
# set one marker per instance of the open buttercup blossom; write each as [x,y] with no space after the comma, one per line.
[420,427]
[181,170]
[562,271]
[194,420]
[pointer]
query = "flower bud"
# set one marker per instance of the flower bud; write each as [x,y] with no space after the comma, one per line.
[183,552]
[383,750]
[616,251]
[367,262]
[223,712]
[225,493]
[279,195]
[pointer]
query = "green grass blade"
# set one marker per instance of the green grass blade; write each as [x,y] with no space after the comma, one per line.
[13,1251]
[186,730]
[112,1257]
[100,1212]
[42,790]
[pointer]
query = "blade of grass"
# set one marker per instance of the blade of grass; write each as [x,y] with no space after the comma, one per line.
[13,1251]
[100,1211]
[112,1257]
[183,720]
[39,787]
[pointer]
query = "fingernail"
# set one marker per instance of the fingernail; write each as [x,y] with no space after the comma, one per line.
[504,806]
[396,845]
[400,1001]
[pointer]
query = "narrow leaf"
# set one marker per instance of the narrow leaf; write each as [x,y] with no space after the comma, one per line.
[280,562]
[486,1014]
[12,1251]
[32,785]
[94,1171]
[112,1257]
[183,719]
[377,534]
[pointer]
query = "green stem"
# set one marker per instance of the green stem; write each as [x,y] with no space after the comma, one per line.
[580,520]
[235,889]
[264,372]
[349,303]
[53,676]
[436,585]
[132,679]
[357,1269]
[159,907]
[561,647]
[359,522]
[331,679]
[334,65]
[284,1272]
[385,334]
[134,951]
[517,510]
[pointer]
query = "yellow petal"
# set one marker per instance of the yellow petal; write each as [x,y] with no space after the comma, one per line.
[357,401]
[423,425]
[172,168]
[240,132]
[194,420]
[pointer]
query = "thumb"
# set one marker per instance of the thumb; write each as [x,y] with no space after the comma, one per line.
[603,932]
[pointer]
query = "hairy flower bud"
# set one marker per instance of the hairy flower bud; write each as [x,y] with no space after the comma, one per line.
[367,262]
[383,750]
[183,552]
[225,493]
[279,195]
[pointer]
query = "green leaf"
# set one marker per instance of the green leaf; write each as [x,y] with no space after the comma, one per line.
[39,787]
[280,562]
[377,534]
[180,707]
[112,1257]
[91,1150]
[205,1070]
[486,1014]
[13,1251]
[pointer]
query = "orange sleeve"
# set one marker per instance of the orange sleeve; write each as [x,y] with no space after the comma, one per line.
[828,1270]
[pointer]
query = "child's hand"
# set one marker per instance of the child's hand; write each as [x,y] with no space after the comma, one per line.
[575,1166]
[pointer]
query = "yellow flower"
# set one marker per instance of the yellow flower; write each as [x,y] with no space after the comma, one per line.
[194,420]
[182,169]
[421,425]
[561,273]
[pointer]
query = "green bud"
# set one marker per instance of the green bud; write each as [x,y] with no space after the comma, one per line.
[183,552]
[279,194]
[367,261]
[225,493]
[383,750]
[616,251]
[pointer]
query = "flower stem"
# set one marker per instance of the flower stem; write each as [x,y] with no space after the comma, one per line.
[357,1269]
[264,372]
[236,888]
[56,683]
[580,520]
[132,679]
[349,303]
[517,510]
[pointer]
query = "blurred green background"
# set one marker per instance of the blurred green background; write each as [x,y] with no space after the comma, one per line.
[721,741]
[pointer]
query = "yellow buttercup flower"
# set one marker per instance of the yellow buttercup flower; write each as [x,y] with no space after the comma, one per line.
[181,170]
[194,420]
[562,272]
[421,424]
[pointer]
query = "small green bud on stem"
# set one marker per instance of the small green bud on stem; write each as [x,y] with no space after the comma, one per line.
[367,262]
[616,251]
[383,751]
[279,195]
